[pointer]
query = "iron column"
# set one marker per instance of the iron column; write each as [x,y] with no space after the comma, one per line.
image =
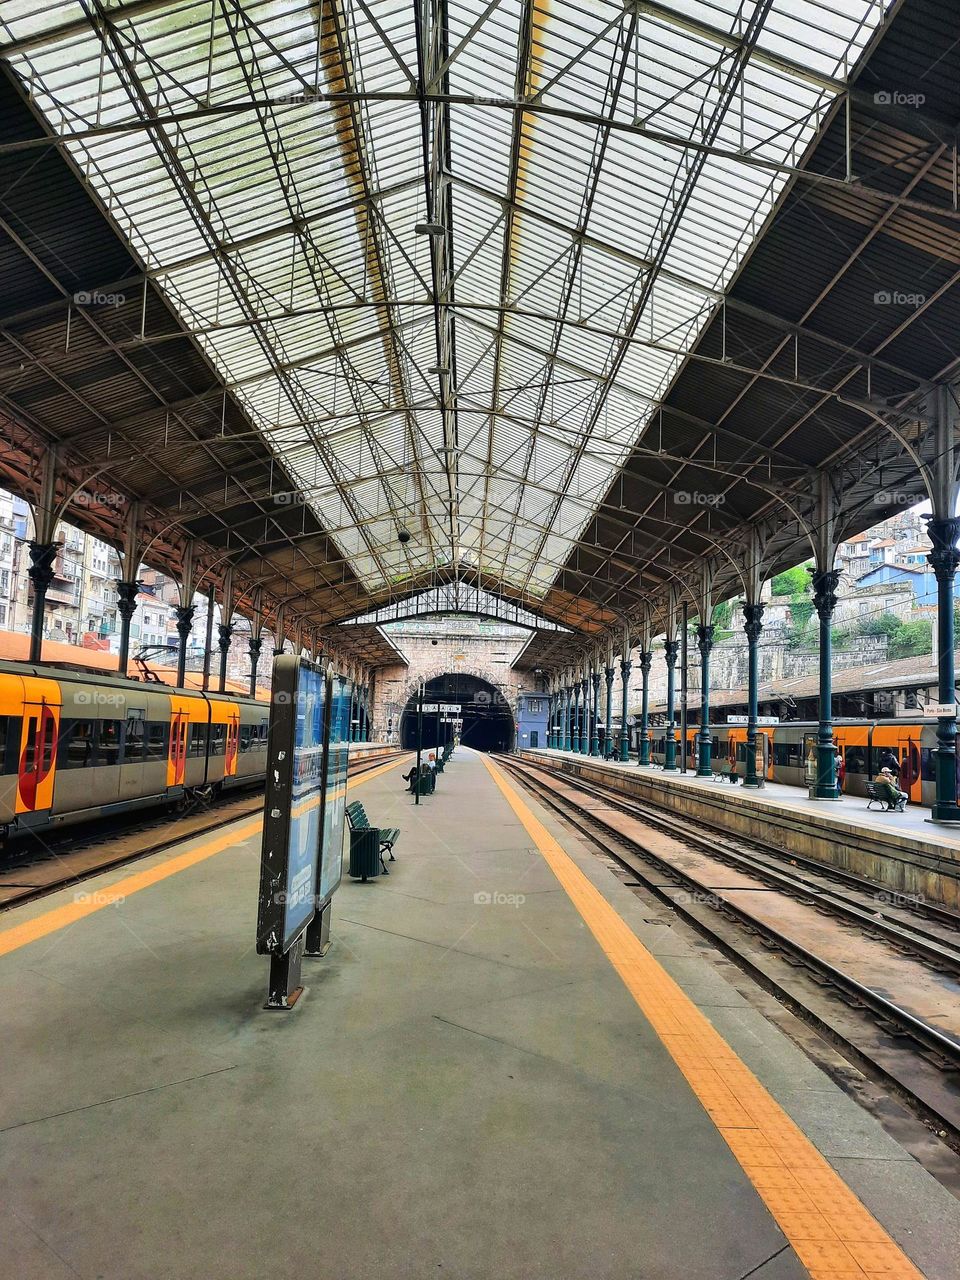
[670,648]
[256,644]
[567,708]
[42,556]
[825,600]
[945,558]
[646,661]
[753,626]
[595,717]
[625,668]
[184,614]
[609,673]
[126,607]
[225,632]
[705,644]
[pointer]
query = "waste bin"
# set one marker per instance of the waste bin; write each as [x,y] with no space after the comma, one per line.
[365,854]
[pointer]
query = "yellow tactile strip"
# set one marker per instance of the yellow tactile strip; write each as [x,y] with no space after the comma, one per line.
[832,1232]
[87,902]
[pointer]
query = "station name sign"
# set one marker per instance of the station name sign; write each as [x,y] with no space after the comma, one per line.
[441,706]
[766,720]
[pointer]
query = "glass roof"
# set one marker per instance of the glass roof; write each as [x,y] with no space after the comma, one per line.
[450,271]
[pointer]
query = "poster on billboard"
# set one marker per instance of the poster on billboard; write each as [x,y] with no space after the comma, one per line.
[293,819]
[334,789]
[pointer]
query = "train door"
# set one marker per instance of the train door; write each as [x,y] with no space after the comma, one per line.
[36,768]
[233,738]
[908,751]
[177,758]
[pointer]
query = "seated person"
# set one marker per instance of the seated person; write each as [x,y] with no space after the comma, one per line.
[890,791]
[409,777]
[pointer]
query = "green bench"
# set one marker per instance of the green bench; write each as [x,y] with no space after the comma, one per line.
[368,844]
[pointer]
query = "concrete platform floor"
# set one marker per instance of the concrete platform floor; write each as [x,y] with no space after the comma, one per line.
[850,809]
[467,1089]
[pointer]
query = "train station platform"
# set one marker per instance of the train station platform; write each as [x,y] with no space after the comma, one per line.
[905,850]
[508,1065]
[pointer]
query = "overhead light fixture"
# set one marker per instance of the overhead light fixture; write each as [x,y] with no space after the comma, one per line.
[430,229]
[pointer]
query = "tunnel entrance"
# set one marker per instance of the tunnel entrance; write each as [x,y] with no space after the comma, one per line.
[486,721]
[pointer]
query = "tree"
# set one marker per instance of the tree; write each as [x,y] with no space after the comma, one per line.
[911,639]
[792,582]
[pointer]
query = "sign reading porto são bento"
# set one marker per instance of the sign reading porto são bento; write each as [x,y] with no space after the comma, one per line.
[293,806]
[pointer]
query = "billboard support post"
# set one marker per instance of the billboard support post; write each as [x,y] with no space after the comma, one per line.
[416,793]
[318,932]
[284,988]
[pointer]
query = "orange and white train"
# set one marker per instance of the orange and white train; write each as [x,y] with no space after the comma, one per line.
[75,746]
[790,751]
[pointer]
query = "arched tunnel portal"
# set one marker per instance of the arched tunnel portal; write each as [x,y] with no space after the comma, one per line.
[485,716]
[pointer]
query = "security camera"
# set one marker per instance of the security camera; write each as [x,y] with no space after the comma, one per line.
[403,535]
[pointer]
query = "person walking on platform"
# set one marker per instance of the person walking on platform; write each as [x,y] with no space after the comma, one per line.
[890,791]
[841,771]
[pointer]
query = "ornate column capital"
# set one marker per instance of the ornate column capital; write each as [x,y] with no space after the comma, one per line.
[825,592]
[705,639]
[626,666]
[127,598]
[42,556]
[184,614]
[670,650]
[225,630]
[945,555]
[753,621]
[646,661]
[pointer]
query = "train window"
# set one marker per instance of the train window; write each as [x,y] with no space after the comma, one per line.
[716,745]
[134,737]
[30,751]
[218,738]
[246,732]
[856,759]
[49,742]
[76,750]
[928,764]
[786,755]
[108,742]
[9,738]
[156,742]
[198,740]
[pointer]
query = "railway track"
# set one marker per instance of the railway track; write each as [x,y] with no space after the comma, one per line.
[878,977]
[34,867]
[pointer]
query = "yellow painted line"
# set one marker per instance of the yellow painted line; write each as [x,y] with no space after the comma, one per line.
[86,903]
[834,1235]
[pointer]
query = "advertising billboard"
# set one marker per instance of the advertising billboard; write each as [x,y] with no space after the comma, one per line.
[335,788]
[293,806]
